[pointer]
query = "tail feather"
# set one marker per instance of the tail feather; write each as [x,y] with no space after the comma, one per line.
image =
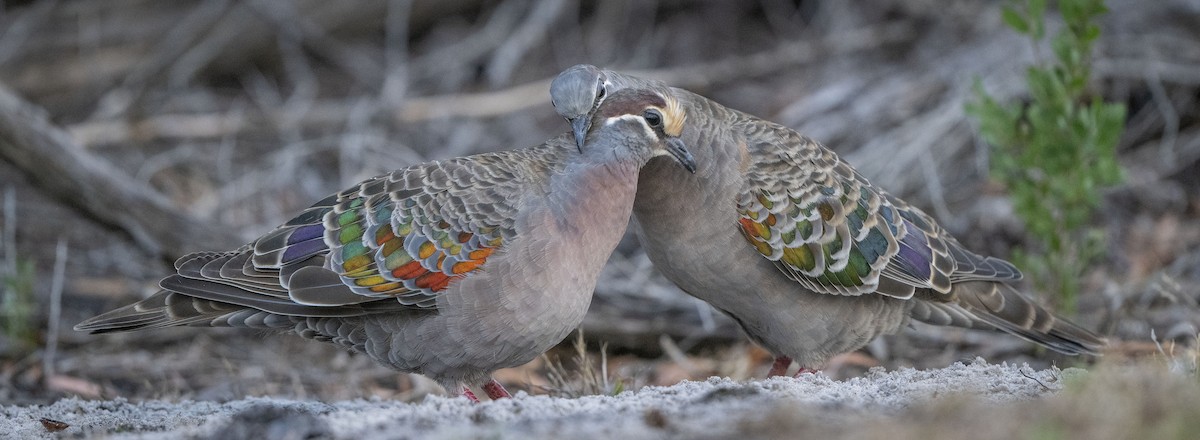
[982,304]
[163,309]
[224,293]
[220,268]
[946,314]
[171,309]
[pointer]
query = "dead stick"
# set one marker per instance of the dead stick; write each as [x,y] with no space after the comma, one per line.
[59,166]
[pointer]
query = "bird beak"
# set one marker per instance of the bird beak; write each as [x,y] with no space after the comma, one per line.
[679,151]
[580,126]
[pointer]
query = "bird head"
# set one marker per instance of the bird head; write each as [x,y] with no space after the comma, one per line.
[576,93]
[645,122]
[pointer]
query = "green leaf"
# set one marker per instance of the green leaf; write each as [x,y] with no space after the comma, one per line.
[1090,34]
[1072,11]
[1014,20]
[1037,15]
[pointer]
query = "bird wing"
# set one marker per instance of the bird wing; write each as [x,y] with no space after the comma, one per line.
[829,229]
[404,236]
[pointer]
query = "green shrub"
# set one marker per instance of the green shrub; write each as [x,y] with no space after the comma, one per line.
[18,306]
[1056,151]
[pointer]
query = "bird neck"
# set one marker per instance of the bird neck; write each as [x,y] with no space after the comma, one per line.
[664,183]
[593,191]
[670,199]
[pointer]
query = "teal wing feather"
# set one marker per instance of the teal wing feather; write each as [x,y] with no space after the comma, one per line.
[829,229]
[406,235]
[392,242]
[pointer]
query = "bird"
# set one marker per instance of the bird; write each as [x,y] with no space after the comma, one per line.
[803,252]
[451,269]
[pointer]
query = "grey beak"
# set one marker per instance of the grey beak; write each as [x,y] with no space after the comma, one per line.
[580,126]
[679,151]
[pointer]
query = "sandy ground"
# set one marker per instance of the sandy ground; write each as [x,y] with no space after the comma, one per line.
[715,408]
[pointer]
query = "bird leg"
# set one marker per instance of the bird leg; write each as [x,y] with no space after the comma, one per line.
[806,370]
[779,368]
[466,392]
[495,390]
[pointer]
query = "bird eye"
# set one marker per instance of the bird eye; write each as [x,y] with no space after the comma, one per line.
[600,92]
[653,118]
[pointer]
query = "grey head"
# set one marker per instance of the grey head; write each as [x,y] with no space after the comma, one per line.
[638,122]
[576,94]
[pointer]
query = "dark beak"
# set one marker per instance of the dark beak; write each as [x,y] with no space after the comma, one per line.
[679,151]
[580,126]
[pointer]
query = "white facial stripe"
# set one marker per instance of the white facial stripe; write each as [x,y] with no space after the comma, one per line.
[649,132]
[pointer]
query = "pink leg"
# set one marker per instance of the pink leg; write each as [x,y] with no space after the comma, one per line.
[806,370]
[466,392]
[495,391]
[779,368]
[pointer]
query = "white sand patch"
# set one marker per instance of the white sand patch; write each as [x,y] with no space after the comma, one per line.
[715,408]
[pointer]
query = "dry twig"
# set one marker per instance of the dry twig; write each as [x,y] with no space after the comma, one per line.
[62,168]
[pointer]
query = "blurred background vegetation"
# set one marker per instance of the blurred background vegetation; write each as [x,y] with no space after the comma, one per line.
[1056,153]
[137,130]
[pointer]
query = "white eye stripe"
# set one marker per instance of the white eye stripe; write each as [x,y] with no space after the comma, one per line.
[645,126]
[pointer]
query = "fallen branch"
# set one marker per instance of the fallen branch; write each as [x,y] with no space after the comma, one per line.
[62,168]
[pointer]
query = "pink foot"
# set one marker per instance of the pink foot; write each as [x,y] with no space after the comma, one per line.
[779,368]
[495,391]
[806,370]
[466,392]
